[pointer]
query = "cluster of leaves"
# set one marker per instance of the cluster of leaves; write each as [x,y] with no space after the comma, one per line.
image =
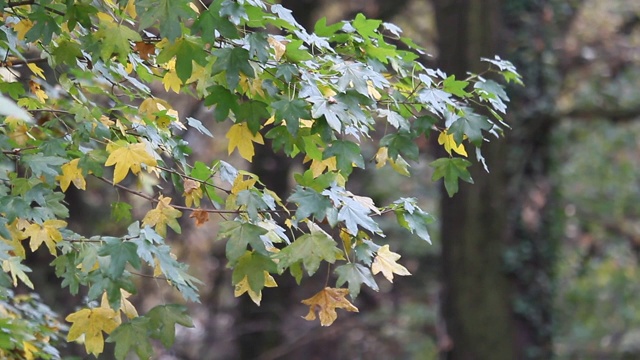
[319,95]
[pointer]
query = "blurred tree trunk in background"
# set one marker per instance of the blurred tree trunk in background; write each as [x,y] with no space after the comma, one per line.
[477,304]
[497,238]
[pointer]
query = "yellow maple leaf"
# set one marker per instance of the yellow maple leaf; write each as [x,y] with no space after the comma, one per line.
[130,9]
[17,235]
[22,28]
[251,86]
[37,91]
[381,157]
[36,70]
[385,262]
[126,307]
[47,233]
[325,302]
[449,143]
[128,157]
[29,349]
[243,287]
[240,183]
[319,166]
[242,138]
[71,173]
[171,79]
[192,192]
[164,214]
[279,47]
[91,323]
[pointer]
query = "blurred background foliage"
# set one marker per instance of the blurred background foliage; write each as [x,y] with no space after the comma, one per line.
[595,173]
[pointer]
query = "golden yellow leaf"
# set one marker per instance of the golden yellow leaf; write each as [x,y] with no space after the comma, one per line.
[278,47]
[243,287]
[28,349]
[17,235]
[163,215]
[251,86]
[240,183]
[37,91]
[126,307]
[192,192]
[449,143]
[91,323]
[171,79]
[373,92]
[36,70]
[22,28]
[47,233]
[200,216]
[242,138]
[319,166]
[325,302]
[130,9]
[381,157]
[128,157]
[71,173]
[400,166]
[385,262]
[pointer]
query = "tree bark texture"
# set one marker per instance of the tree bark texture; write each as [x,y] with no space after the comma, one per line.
[477,304]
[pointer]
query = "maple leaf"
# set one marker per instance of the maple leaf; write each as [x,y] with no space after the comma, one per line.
[16,236]
[449,143]
[128,157]
[37,91]
[163,215]
[325,302]
[256,296]
[385,262]
[36,70]
[47,233]
[200,216]
[242,138]
[71,173]
[144,49]
[22,28]
[91,323]
[192,192]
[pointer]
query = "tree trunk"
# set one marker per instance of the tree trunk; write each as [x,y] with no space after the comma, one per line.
[477,305]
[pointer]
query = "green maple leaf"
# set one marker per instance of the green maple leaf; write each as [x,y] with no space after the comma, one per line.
[470,125]
[223,99]
[232,62]
[163,320]
[347,155]
[451,169]
[186,52]
[252,265]
[310,202]
[121,253]
[356,275]
[366,27]
[291,111]
[132,336]
[310,249]
[455,87]
[240,235]
[258,46]
[401,143]
[170,13]
[115,39]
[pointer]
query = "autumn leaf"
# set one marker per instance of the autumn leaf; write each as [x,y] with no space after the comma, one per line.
[192,192]
[91,323]
[385,262]
[128,157]
[144,49]
[242,138]
[17,235]
[163,215]
[37,91]
[71,173]
[47,233]
[36,70]
[22,28]
[325,302]
[449,143]
[171,79]
[126,307]
[201,216]
[243,287]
